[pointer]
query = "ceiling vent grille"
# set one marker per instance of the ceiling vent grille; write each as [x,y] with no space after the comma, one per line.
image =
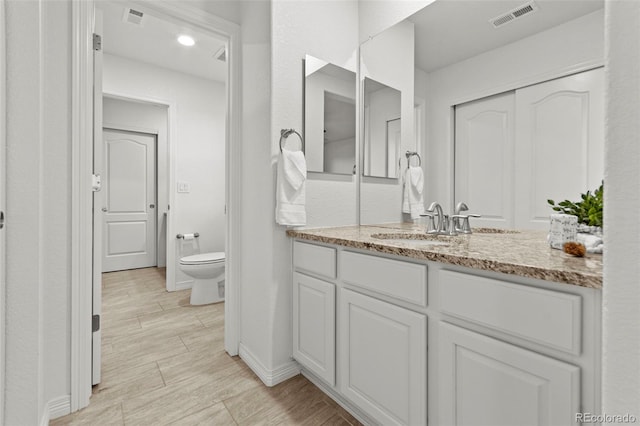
[133,16]
[514,14]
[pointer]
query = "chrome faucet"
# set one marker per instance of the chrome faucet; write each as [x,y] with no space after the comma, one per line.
[460,207]
[448,225]
[441,225]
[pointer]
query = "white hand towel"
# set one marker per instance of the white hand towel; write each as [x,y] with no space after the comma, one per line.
[290,188]
[416,186]
[413,185]
[592,243]
[406,182]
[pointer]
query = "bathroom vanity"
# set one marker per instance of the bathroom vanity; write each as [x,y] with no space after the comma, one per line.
[489,328]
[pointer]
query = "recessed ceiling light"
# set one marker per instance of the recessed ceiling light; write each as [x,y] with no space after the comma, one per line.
[186,40]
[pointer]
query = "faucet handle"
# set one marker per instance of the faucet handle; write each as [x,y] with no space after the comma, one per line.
[431,226]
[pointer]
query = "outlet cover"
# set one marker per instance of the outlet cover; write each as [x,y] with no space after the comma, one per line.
[184,187]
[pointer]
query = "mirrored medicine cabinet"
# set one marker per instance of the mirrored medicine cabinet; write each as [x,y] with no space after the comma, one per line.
[330,117]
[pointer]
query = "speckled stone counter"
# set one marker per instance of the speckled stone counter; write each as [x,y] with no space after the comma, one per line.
[522,253]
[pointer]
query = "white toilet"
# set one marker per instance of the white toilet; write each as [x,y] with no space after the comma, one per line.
[207,269]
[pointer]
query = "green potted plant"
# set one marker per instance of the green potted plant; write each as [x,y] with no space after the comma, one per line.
[588,210]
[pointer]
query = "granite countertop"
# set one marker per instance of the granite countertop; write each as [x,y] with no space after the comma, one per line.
[522,253]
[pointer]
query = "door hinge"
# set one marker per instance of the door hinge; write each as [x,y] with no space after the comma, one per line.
[95,323]
[97,42]
[96,183]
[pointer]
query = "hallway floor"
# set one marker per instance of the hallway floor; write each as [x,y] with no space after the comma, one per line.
[163,362]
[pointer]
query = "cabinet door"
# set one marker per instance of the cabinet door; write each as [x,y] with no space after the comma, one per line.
[559,144]
[314,331]
[483,381]
[383,359]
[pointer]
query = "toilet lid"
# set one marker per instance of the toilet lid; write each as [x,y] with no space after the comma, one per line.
[197,259]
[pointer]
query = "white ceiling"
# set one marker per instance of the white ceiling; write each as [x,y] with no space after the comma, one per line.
[155,42]
[449,31]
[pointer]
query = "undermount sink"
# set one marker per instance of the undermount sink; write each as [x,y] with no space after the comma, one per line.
[422,239]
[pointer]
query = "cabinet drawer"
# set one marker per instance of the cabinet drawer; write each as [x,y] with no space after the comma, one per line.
[402,280]
[315,259]
[546,317]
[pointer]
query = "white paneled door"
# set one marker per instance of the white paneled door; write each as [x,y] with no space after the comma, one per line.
[560,143]
[484,159]
[129,198]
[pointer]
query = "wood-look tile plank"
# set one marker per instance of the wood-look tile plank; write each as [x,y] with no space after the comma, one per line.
[164,363]
[216,415]
[94,414]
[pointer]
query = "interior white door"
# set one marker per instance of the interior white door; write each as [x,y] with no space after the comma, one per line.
[484,140]
[98,166]
[129,198]
[3,168]
[560,144]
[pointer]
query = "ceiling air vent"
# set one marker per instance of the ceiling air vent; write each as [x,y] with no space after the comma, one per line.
[514,14]
[133,16]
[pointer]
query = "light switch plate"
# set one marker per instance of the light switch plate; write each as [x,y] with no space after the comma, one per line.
[184,187]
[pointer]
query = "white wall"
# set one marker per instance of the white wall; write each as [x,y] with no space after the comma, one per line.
[200,106]
[325,30]
[257,216]
[533,59]
[146,118]
[38,207]
[621,290]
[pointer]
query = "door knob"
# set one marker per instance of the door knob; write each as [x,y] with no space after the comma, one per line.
[1,219]
[152,206]
[104,209]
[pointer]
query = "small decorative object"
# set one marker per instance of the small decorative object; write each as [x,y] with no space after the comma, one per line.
[575,249]
[588,209]
[563,229]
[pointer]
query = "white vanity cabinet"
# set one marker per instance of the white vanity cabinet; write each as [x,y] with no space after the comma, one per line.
[382,356]
[411,342]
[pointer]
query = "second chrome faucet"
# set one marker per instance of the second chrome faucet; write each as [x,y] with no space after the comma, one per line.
[445,224]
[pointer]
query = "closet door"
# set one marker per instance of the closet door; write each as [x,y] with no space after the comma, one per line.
[484,135]
[560,144]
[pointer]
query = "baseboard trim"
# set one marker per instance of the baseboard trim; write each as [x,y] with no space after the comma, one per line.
[184,285]
[60,406]
[333,394]
[269,377]
[44,420]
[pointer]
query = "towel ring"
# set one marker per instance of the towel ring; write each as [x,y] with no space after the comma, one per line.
[410,154]
[285,133]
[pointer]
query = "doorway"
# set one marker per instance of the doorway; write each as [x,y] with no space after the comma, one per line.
[187,18]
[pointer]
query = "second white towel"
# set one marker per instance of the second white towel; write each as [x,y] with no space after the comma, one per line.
[412,199]
[290,188]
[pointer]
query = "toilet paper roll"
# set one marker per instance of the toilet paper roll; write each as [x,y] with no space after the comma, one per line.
[189,237]
[564,228]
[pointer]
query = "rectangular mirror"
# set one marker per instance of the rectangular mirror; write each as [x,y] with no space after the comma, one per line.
[382,129]
[329,117]
[514,110]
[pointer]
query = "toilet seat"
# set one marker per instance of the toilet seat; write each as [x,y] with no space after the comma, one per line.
[203,259]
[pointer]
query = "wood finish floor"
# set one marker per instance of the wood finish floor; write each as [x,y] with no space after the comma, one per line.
[163,362]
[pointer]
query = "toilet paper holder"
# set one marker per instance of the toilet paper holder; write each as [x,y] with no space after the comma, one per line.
[181,236]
